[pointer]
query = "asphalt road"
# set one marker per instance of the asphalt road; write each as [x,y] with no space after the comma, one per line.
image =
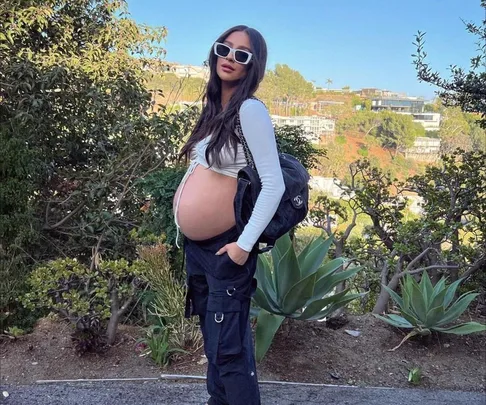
[164,393]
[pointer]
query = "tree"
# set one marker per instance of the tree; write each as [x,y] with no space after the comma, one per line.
[285,85]
[454,131]
[329,82]
[449,237]
[398,131]
[295,141]
[325,214]
[465,89]
[476,133]
[76,133]
[170,89]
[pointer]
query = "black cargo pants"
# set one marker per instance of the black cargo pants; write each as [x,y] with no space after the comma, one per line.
[219,291]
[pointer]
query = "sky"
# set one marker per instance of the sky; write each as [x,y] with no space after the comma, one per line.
[354,43]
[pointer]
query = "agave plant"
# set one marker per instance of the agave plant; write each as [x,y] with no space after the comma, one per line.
[299,287]
[425,308]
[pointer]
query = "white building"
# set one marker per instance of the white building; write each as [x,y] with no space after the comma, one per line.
[314,125]
[430,121]
[201,72]
[425,149]
[327,185]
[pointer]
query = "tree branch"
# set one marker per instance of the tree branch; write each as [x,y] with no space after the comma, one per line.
[65,219]
[412,263]
[480,263]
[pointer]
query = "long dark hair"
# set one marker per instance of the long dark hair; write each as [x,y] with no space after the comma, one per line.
[216,121]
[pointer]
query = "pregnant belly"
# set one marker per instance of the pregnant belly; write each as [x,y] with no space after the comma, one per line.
[206,204]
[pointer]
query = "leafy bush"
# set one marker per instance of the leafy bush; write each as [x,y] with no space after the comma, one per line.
[91,300]
[161,186]
[169,299]
[340,140]
[77,131]
[425,308]
[298,286]
[295,141]
[363,151]
[158,345]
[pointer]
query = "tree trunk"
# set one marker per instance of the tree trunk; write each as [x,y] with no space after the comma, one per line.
[382,301]
[116,313]
[112,328]
[114,318]
[454,273]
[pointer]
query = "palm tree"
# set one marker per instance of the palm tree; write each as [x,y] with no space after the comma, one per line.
[328,82]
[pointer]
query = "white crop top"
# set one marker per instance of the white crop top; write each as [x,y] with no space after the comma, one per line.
[259,135]
[229,166]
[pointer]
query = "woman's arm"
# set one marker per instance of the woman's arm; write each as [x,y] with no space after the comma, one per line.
[258,131]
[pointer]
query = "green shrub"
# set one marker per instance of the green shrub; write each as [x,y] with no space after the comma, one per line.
[297,286]
[425,308]
[158,345]
[93,301]
[168,304]
[340,140]
[363,151]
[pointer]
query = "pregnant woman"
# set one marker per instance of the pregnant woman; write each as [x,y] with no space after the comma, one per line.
[220,261]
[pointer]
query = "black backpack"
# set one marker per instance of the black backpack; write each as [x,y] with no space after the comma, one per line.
[294,205]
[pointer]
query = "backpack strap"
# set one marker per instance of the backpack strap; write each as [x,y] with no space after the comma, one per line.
[239,132]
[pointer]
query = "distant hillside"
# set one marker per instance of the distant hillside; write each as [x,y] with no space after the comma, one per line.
[344,149]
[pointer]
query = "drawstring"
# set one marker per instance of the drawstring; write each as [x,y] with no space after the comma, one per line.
[189,171]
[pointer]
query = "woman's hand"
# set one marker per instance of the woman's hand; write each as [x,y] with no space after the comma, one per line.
[235,253]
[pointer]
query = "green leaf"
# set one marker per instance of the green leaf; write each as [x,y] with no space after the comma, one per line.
[264,271]
[401,320]
[451,292]
[463,329]
[438,300]
[267,326]
[286,269]
[427,288]
[261,300]
[329,267]
[398,300]
[433,316]
[458,308]
[299,294]
[397,321]
[305,251]
[314,256]
[334,306]
[418,303]
[265,280]
[316,305]
[278,252]
[327,283]
[439,288]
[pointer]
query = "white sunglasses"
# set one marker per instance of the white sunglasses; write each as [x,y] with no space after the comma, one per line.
[240,56]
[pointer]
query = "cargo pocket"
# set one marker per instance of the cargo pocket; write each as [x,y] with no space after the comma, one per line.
[227,269]
[196,296]
[223,322]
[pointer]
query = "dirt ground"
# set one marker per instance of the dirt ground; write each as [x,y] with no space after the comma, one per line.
[301,351]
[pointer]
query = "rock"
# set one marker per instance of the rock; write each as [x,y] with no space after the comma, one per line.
[203,360]
[354,333]
[336,376]
[5,394]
